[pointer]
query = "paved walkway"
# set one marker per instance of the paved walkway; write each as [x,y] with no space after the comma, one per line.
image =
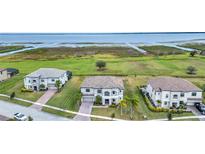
[196,112]
[86,107]
[9,109]
[137,48]
[44,99]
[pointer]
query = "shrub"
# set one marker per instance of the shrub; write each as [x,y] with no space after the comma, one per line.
[113,106]
[26,90]
[30,118]
[112,115]
[12,95]
[42,86]
[169,116]
[193,53]
[98,100]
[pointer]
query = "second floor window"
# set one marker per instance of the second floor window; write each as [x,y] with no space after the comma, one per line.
[193,94]
[34,81]
[42,80]
[107,93]
[87,90]
[182,95]
[113,92]
[175,96]
[99,91]
[167,96]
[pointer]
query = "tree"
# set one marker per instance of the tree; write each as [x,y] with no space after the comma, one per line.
[191,70]
[169,116]
[98,99]
[42,86]
[133,103]
[100,64]
[58,84]
[193,53]
[30,118]
[123,104]
[112,115]
[12,95]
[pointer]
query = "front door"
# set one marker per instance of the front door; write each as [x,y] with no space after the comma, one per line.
[35,88]
[107,101]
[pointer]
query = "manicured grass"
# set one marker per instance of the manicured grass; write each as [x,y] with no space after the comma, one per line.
[68,98]
[173,65]
[15,101]
[15,84]
[4,49]
[161,50]
[141,110]
[198,46]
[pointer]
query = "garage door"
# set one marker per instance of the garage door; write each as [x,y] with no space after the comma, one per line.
[88,99]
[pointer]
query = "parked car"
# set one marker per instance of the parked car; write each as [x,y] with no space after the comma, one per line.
[200,107]
[20,117]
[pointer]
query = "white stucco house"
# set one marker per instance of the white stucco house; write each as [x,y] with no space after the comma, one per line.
[46,77]
[171,92]
[110,88]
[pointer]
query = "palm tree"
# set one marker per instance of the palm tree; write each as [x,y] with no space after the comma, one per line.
[132,102]
[123,103]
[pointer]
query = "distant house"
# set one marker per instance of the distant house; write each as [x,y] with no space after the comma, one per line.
[12,72]
[3,74]
[45,78]
[171,92]
[108,87]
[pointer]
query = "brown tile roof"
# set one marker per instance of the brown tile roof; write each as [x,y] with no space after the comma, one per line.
[103,82]
[172,84]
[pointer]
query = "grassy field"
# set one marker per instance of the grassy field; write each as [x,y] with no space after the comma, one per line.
[68,98]
[66,52]
[141,110]
[4,49]
[162,50]
[15,101]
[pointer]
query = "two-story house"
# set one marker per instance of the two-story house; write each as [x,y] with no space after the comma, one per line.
[45,78]
[110,89]
[171,92]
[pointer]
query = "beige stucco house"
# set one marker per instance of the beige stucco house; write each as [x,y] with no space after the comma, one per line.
[3,74]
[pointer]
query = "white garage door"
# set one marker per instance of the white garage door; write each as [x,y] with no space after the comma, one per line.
[88,99]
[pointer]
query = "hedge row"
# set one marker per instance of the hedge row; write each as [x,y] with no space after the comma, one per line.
[158,109]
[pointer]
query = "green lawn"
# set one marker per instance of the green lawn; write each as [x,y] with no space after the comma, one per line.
[15,84]
[68,98]
[162,50]
[4,49]
[15,101]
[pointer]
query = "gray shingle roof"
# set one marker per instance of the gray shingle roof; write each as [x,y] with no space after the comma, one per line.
[47,73]
[172,84]
[103,82]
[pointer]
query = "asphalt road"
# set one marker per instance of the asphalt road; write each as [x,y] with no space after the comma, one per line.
[9,109]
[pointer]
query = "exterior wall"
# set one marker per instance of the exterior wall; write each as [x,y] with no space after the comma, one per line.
[48,82]
[3,75]
[112,98]
[169,98]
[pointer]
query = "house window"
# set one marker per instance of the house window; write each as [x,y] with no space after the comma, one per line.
[29,81]
[113,92]
[182,94]
[193,94]
[34,81]
[175,96]
[107,93]
[113,100]
[165,103]
[87,90]
[167,96]
[99,91]
[53,80]
[42,80]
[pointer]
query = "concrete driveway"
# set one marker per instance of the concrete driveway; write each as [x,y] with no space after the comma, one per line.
[9,109]
[195,111]
[86,107]
[44,99]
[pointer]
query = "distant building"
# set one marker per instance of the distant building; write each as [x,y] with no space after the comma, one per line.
[171,92]
[12,72]
[3,74]
[108,87]
[45,78]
